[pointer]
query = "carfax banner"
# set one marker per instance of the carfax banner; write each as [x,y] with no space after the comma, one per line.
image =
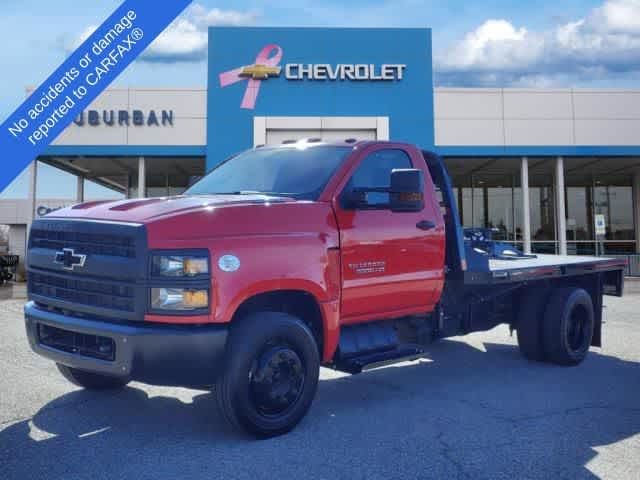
[80,79]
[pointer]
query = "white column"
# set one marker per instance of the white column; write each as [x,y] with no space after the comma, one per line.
[636,207]
[141,177]
[382,128]
[259,131]
[526,211]
[561,216]
[33,195]
[33,181]
[80,189]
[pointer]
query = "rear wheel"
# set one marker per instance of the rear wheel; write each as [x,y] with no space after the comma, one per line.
[90,380]
[568,326]
[271,374]
[529,324]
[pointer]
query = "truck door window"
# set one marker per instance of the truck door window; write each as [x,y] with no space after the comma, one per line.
[375,171]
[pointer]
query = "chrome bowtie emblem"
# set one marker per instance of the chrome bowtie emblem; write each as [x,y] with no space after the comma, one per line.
[69,259]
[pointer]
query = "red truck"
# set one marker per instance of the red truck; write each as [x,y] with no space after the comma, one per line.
[285,258]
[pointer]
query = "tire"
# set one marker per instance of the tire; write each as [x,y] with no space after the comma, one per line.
[91,381]
[270,375]
[529,324]
[568,326]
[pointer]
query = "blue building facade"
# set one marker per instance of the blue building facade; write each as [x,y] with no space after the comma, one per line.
[318,72]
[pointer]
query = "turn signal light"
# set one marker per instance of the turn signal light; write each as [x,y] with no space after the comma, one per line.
[179,299]
[196,298]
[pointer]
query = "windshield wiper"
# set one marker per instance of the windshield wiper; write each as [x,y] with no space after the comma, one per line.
[250,192]
[244,192]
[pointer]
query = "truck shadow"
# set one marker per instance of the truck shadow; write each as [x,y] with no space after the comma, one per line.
[465,413]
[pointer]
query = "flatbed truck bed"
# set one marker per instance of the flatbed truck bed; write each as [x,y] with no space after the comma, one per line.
[541,266]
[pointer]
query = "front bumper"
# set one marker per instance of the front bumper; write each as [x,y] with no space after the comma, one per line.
[161,355]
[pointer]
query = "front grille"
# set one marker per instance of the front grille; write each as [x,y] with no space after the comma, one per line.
[78,313]
[110,281]
[87,243]
[93,346]
[113,296]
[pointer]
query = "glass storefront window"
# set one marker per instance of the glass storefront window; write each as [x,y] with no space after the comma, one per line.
[472,207]
[500,212]
[543,227]
[156,185]
[579,227]
[160,185]
[492,199]
[616,204]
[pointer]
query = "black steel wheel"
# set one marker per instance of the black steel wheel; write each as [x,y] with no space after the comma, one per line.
[276,379]
[568,326]
[90,380]
[270,375]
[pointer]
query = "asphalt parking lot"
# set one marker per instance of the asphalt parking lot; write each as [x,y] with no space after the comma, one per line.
[474,409]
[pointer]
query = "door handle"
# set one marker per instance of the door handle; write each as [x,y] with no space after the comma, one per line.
[425,225]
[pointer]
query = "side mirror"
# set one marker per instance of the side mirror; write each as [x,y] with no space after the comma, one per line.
[406,193]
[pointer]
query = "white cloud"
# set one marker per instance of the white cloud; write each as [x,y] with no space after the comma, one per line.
[497,53]
[496,44]
[184,40]
[618,16]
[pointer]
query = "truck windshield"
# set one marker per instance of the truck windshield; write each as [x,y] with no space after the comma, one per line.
[288,170]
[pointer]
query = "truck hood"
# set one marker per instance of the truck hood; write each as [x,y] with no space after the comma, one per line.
[193,221]
[147,210]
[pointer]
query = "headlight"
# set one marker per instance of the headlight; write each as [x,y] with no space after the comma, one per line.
[179,299]
[180,265]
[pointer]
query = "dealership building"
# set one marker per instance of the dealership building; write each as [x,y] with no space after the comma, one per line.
[538,166]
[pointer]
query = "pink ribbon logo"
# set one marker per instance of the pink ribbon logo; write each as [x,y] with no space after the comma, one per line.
[266,65]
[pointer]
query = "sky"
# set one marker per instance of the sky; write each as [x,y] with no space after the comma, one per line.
[493,43]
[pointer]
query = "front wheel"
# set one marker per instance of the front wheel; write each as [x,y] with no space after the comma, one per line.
[270,376]
[91,381]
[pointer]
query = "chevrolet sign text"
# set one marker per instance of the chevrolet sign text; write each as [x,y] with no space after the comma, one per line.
[344,71]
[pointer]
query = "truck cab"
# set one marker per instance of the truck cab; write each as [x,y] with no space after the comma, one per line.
[284,258]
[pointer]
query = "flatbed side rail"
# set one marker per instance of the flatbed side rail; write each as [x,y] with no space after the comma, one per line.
[612,273]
